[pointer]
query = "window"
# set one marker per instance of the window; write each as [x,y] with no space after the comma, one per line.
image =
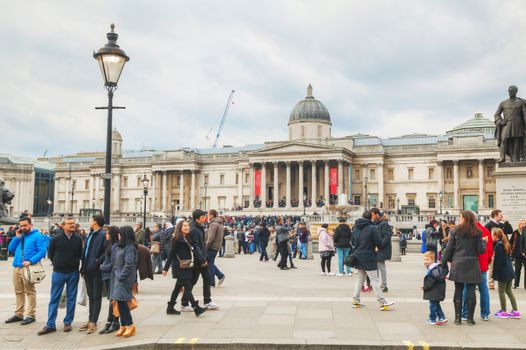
[390,174]
[450,199]
[85,204]
[246,178]
[125,181]
[489,172]
[431,202]
[221,179]
[391,202]
[491,201]
[469,172]
[410,173]
[449,173]
[319,130]
[139,182]
[373,200]
[411,198]
[222,202]
[237,179]
[373,174]
[357,200]
[357,174]
[431,173]
[206,179]
[86,184]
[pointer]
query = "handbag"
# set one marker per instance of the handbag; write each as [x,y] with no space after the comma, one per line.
[33,273]
[350,260]
[82,293]
[155,247]
[186,263]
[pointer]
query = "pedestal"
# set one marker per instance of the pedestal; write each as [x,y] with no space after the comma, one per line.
[310,256]
[395,251]
[229,247]
[511,191]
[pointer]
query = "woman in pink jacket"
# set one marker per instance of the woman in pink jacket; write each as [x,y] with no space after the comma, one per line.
[326,249]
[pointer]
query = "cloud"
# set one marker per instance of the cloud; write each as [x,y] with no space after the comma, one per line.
[381,67]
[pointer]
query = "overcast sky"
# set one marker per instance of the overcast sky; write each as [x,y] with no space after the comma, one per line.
[385,68]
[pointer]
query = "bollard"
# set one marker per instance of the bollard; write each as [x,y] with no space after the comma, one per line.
[395,244]
[310,256]
[229,247]
[3,249]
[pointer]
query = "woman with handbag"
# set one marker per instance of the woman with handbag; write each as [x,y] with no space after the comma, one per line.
[181,259]
[112,239]
[123,277]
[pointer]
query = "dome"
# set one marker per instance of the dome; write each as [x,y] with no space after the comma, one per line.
[476,125]
[310,110]
[116,136]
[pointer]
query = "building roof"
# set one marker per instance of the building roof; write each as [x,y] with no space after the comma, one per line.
[309,110]
[37,164]
[476,125]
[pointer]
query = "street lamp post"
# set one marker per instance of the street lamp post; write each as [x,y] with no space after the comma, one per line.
[145,181]
[206,186]
[397,205]
[304,203]
[72,194]
[368,201]
[173,212]
[440,197]
[111,62]
[365,181]
[49,203]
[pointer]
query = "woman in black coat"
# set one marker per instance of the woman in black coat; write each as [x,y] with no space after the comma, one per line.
[180,251]
[463,249]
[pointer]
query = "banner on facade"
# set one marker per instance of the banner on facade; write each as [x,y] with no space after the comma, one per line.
[333,181]
[257,182]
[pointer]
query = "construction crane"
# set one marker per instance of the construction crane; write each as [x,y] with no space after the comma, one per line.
[223,119]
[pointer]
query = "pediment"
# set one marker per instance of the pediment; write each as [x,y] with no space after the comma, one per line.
[295,147]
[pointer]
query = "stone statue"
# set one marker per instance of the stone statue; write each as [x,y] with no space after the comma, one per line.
[6,197]
[510,122]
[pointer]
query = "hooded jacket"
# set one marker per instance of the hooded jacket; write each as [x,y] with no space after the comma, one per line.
[365,239]
[383,227]
[342,236]
[35,246]
[325,241]
[486,257]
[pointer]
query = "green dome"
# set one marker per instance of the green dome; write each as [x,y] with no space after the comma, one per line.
[476,125]
[310,110]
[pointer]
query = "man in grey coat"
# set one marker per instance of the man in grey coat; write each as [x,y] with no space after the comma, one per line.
[214,241]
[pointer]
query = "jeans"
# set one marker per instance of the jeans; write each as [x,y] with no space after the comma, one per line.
[484,297]
[157,263]
[382,272]
[241,245]
[435,310]
[303,250]
[264,255]
[212,268]
[205,275]
[94,289]
[342,254]
[58,280]
[373,275]
[125,314]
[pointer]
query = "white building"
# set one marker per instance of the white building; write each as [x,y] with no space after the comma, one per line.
[402,172]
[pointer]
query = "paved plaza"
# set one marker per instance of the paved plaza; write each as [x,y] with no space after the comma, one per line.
[262,305]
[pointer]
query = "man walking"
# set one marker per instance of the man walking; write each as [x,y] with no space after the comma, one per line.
[65,250]
[214,241]
[196,240]
[29,247]
[382,225]
[92,258]
[264,236]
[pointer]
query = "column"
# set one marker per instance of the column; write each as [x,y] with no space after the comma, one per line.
[326,179]
[455,185]
[276,186]
[164,192]
[117,197]
[313,183]
[91,187]
[300,187]
[251,186]
[365,189]
[181,190]
[380,177]
[55,194]
[340,178]
[240,188]
[287,186]
[440,176]
[192,191]
[97,191]
[68,184]
[481,183]
[153,191]
[263,196]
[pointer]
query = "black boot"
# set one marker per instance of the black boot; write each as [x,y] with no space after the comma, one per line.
[115,326]
[170,310]
[471,311]
[198,310]
[105,329]
[458,310]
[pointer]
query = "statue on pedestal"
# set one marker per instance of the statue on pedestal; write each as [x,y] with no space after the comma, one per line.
[510,131]
[6,197]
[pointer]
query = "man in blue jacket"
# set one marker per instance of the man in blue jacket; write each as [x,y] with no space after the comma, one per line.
[92,257]
[29,247]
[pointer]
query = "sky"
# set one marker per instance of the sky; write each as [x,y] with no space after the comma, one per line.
[385,68]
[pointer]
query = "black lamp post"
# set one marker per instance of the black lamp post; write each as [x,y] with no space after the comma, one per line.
[368,201]
[365,180]
[206,186]
[304,203]
[72,194]
[145,181]
[111,61]
[397,205]
[440,197]
[173,212]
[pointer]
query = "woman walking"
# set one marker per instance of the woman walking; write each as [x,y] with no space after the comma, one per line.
[181,259]
[123,276]
[504,274]
[463,249]
[326,248]
[112,239]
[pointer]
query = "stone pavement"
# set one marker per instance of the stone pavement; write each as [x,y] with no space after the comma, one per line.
[263,306]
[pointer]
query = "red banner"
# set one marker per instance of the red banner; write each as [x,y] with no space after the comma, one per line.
[333,181]
[257,182]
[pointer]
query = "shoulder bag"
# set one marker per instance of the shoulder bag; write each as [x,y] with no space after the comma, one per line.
[155,247]
[33,273]
[186,263]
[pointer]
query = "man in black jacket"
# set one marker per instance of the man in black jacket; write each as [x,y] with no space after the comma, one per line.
[92,258]
[64,252]
[196,238]
[382,225]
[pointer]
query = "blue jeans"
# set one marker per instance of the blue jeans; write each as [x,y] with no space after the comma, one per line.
[303,250]
[435,310]
[484,297]
[212,268]
[342,254]
[58,280]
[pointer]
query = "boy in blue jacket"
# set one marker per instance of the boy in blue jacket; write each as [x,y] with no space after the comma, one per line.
[434,289]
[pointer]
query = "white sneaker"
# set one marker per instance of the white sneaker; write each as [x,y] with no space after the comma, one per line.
[349,274]
[187,308]
[221,280]
[323,274]
[339,274]
[212,306]
[331,274]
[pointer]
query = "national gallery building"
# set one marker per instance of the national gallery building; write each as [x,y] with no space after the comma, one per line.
[426,173]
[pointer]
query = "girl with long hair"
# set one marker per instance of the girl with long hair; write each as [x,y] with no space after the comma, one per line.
[503,273]
[181,252]
[463,249]
[112,238]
